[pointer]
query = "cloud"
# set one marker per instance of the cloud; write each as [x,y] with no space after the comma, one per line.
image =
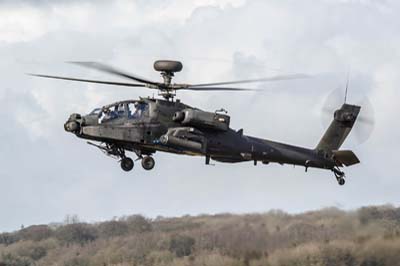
[49,173]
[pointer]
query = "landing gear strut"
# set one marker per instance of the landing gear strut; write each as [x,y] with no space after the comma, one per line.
[116,152]
[339,176]
[126,163]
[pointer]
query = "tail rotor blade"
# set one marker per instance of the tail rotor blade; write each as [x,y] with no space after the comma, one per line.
[332,102]
[365,122]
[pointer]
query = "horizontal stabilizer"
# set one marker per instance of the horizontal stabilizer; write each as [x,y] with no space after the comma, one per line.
[346,158]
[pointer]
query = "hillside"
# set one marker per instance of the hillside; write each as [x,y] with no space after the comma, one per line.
[369,236]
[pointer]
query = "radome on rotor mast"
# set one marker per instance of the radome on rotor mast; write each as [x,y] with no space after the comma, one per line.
[148,125]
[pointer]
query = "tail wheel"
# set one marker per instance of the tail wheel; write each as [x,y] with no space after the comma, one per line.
[341,181]
[339,176]
[148,163]
[127,164]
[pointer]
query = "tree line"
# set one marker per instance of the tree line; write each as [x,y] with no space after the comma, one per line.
[369,236]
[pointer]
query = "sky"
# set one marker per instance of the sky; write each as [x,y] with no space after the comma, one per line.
[46,173]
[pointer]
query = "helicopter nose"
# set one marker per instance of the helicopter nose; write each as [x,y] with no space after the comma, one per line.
[72,125]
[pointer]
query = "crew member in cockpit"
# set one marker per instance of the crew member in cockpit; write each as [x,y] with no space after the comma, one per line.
[139,110]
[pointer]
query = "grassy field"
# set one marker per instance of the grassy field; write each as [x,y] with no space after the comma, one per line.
[369,236]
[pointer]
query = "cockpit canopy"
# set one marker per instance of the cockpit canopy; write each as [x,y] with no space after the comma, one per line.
[133,110]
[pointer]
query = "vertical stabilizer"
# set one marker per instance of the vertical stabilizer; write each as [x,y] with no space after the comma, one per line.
[339,129]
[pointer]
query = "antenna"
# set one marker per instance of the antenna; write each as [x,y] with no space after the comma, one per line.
[347,86]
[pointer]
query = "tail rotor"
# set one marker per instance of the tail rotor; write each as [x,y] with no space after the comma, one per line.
[365,122]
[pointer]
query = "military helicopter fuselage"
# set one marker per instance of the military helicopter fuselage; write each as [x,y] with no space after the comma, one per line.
[148,125]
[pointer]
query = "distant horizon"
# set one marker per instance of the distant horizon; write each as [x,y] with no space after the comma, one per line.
[116,218]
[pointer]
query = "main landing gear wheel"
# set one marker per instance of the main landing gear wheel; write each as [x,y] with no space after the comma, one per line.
[148,163]
[127,164]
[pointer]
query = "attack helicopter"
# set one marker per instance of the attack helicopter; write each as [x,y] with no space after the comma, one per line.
[147,125]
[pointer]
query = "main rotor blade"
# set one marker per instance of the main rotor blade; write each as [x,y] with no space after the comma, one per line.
[274,78]
[111,70]
[90,80]
[216,89]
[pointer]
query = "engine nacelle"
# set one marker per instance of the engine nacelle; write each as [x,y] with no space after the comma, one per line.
[201,119]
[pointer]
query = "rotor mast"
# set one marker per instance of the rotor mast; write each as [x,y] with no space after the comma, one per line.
[166,88]
[167,76]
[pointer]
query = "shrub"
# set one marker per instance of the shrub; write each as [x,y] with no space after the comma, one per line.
[113,228]
[77,262]
[35,232]
[181,245]
[79,233]
[14,260]
[8,238]
[38,252]
[138,224]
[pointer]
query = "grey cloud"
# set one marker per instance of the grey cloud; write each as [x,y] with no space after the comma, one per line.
[44,2]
